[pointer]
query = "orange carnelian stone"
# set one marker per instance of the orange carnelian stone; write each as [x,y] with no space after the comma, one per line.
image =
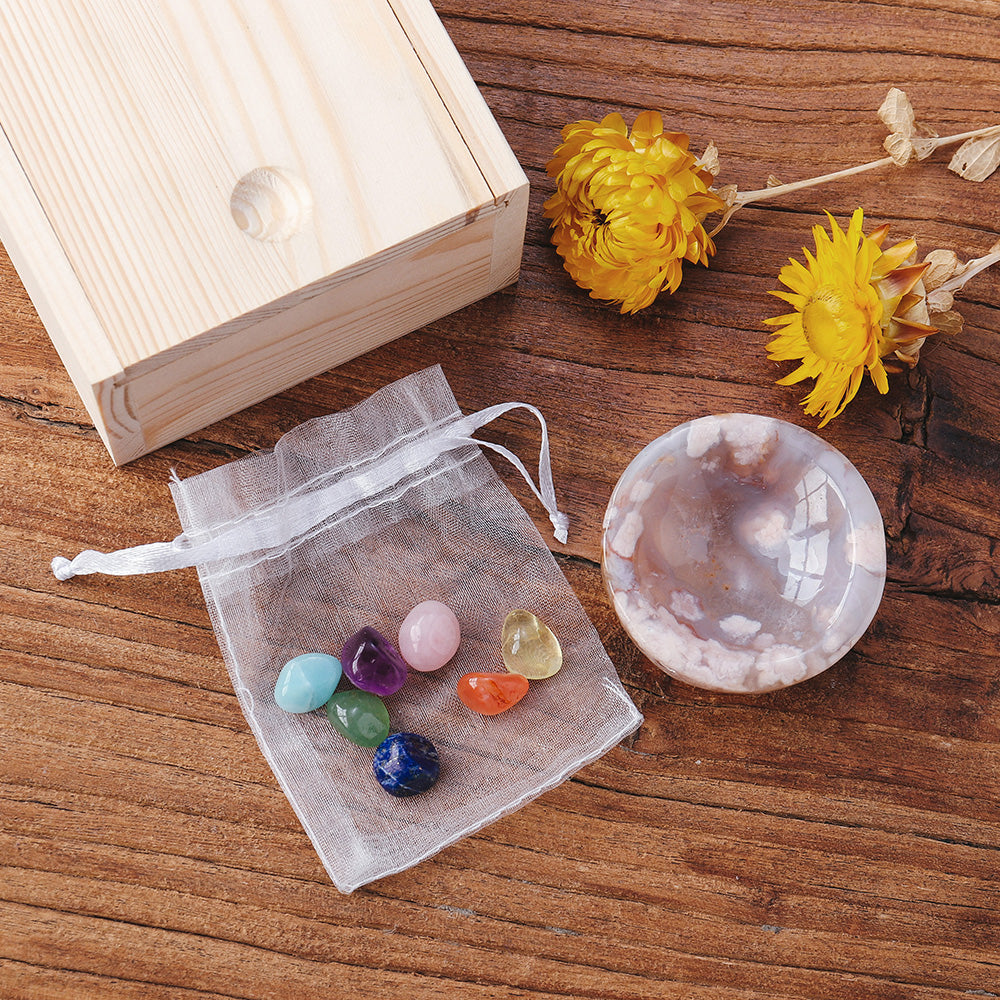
[491,694]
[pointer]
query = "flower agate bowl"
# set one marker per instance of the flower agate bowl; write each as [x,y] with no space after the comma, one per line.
[743,553]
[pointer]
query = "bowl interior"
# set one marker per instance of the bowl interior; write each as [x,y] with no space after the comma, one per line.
[743,553]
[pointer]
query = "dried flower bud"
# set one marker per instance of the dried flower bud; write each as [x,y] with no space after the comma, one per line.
[773,182]
[903,143]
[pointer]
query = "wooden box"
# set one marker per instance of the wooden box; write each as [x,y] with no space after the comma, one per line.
[211,201]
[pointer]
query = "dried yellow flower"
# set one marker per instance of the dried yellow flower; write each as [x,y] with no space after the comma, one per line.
[854,305]
[628,207]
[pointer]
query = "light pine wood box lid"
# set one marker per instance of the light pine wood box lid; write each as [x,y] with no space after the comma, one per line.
[126,130]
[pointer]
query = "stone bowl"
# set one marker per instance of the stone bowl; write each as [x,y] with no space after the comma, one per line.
[743,553]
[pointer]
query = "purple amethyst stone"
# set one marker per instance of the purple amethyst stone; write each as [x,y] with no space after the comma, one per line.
[372,663]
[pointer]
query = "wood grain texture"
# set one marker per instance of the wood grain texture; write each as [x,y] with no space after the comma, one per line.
[839,839]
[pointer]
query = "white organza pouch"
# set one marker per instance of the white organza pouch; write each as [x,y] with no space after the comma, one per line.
[351,520]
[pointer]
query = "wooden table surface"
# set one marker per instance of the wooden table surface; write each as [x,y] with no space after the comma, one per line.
[838,839]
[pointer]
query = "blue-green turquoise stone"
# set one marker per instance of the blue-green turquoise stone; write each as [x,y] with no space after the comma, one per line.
[360,716]
[307,682]
[406,764]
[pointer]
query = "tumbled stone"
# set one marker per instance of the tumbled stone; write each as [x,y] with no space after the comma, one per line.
[491,694]
[429,636]
[406,764]
[372,663]
[306,682]
[359,716]
[529,647]
[743,553]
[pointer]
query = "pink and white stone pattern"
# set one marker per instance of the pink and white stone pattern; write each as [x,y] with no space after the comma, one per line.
[743,553]
[429,636]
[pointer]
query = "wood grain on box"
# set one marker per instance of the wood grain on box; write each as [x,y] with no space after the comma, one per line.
[126,130]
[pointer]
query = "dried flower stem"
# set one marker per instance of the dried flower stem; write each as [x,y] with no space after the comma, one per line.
[764,194]
[971,269]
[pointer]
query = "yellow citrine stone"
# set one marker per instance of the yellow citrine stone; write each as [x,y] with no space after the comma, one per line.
[529,647]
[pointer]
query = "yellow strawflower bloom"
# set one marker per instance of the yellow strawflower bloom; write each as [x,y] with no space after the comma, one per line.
[628,209]
[854,305]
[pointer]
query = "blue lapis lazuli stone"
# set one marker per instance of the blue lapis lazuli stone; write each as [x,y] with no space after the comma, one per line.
[406,764]
[307,682]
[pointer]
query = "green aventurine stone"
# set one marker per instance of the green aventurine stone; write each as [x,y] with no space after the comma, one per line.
[528,646]
[359,716]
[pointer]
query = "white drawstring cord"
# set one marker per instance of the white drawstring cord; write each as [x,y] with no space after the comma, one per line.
[278,525]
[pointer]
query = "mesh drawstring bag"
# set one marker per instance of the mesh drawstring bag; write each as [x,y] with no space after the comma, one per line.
[352,520]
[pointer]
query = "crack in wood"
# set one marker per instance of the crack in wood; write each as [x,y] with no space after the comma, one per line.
[915,412]
[36,413]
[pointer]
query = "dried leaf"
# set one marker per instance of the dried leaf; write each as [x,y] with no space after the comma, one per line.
[923,148]
[897,113]
[942,264]
[900,148]
[977,158]
[710,159]
[727,192]
[910,354]
[939,301]
[948,323]
[773,182]
[916,309]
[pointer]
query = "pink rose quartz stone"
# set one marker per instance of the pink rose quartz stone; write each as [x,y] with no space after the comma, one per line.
[743,553]
[429,636]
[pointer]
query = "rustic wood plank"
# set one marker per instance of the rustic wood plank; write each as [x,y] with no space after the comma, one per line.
[837,839]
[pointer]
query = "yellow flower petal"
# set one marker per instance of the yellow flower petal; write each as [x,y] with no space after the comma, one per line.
[895,257]
[877,372]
